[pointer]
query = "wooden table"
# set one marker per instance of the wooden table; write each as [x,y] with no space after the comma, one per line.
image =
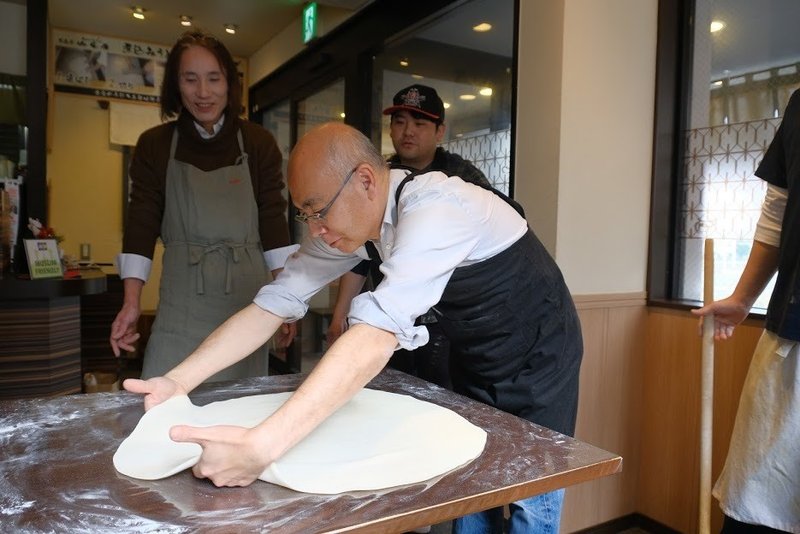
[56,473]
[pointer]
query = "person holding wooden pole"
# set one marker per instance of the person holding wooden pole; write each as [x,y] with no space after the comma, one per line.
[759,487]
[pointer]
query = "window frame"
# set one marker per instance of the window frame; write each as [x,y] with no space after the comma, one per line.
[674,65]
[674,57]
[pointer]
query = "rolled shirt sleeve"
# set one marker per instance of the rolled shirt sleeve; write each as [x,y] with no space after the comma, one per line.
[134,266]
[768,228]
[306,271]
[276,258]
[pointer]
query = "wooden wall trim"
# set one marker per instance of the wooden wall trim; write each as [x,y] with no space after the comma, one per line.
[610,300]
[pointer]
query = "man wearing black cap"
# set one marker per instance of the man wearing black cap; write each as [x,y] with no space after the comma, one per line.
[416,128]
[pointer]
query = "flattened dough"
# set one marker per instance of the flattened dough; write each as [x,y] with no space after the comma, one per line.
[377,440]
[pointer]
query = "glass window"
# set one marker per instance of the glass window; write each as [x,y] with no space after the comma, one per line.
[745,67]
[467,56]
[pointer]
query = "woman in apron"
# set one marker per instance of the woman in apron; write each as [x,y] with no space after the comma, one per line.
[209,185]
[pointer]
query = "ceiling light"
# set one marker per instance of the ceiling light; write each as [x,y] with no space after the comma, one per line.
[717,83]
[230,28]
[138,12]
[486,91]
[716,25]
[447,105]
[186,20]
[482,27]
[404,62]
[467,97]
[417,76]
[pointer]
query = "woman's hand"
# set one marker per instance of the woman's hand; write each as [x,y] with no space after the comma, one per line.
[123,329]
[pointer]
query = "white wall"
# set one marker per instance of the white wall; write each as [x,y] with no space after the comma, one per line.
[605,136]
[13,40]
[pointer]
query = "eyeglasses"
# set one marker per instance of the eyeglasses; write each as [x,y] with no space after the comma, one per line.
[319,216]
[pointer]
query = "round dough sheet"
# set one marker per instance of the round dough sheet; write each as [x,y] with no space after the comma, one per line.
[377,440]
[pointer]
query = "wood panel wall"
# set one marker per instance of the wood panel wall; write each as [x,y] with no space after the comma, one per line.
[609,409]
[669,471]
[640,398]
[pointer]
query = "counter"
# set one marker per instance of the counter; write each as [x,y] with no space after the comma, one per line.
[40,333]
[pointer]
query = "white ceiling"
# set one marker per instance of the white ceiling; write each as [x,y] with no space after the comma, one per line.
[258,21]
[756,35]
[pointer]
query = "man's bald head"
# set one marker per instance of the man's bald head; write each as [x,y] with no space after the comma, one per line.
[329,152]
[318,167]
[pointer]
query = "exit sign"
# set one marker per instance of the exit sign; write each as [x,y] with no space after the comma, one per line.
[309,22]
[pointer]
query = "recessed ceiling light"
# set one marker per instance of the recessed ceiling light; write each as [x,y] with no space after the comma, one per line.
[482,27]
[230,28]
[467,97]
[716,25]
[486,91]
[138,12]
[186,20]
[404,62]
[447,105]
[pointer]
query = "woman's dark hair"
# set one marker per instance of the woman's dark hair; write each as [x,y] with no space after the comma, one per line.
[171,104]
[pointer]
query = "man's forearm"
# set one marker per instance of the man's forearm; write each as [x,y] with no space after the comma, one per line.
[351,362]
[237,337]
[761,265]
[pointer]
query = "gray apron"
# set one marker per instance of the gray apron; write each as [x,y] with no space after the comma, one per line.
[213,264]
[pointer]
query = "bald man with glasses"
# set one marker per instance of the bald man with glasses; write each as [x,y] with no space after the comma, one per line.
[499,296]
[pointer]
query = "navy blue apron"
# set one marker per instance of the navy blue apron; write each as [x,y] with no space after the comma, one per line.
[515,336]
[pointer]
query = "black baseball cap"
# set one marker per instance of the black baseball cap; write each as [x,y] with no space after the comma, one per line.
[418,99]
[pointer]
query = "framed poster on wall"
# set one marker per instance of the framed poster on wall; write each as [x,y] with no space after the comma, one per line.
[107,67]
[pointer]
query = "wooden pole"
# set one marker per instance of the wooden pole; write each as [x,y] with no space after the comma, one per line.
[707,392]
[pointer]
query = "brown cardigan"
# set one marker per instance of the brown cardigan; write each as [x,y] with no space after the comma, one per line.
[149,167]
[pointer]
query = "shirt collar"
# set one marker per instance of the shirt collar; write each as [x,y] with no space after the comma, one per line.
[216,128]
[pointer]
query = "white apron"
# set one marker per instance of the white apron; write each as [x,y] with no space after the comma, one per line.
[213,264]
[760,483]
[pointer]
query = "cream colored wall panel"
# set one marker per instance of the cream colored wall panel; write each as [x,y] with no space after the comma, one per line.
[606,133]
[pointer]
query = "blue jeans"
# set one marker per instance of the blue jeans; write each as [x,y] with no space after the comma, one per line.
[537,515]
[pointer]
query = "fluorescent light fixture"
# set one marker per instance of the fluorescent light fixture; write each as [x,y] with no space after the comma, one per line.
[482,27]
[717,25]
[467,97]
[138,12]
[186,20]
[486,91]
[230,28]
